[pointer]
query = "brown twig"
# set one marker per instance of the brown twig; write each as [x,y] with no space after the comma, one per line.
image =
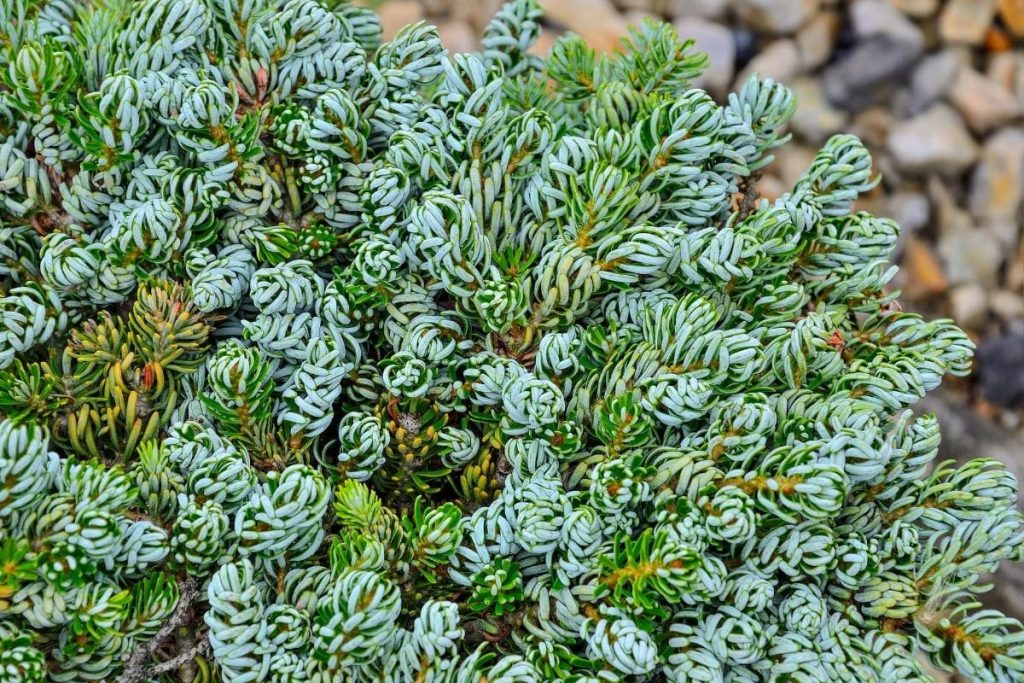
[745,200]
[202,647]
[136,668]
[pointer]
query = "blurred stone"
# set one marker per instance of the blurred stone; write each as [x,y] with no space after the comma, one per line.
[458,36]
[965,21]
[1007,305]
[647,7]
[870,69]
[984,103]
[1015,269]
[919,9]
[479,12]
[1007,69]
[971,254]
[704,9]
[911,210]
[544,42]
[770,187]
[815,119]
[396,14]
[717,41]
[1012,14]
[997,40]
[434,7]
[872,18]
[792,161]
[775,16]
[873,126]
[969,304]
[596,21]
[746,44]
[1001,370]
[1005,230]
[871,202]
[817,39]
[635,17]
[932,79]
[924,276]
[933,142]
[780,61]
[1009,419]
[997,185]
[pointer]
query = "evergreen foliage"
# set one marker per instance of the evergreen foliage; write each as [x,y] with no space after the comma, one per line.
[329,360]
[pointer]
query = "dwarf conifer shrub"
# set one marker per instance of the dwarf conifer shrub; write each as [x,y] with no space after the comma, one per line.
[330,360]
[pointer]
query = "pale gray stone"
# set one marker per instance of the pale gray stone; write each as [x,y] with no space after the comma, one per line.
[780,61]
[775,16]
[933,142]
[815,118]
[983,102]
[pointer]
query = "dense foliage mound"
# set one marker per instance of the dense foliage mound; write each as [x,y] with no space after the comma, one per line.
[327,360]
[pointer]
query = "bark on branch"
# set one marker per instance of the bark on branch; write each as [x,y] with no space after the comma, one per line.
[137,667]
